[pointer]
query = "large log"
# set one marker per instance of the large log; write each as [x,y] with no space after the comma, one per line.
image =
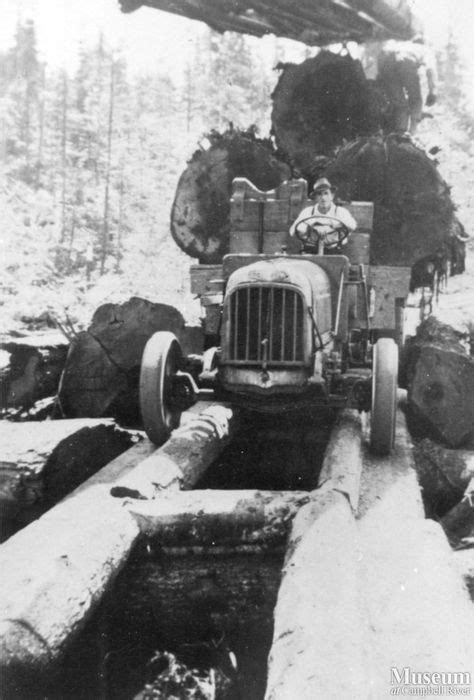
[319,104]
[41,462]
[219,518]
[440,380]
[59,567]
[184,458]
[413,215]
[319,626]
[201,207]
[311,644]
[35,366]
[103,363]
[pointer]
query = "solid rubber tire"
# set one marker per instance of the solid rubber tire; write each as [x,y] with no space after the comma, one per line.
[160,361]
[384,396]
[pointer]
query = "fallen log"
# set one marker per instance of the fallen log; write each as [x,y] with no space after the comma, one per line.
[312,644]
[321,103]
[41,462]
[201,206]
[218,518]
[54,574]
[34,369]
[61,565]
[439,376]
[413,215]
[103,364]
[184,458]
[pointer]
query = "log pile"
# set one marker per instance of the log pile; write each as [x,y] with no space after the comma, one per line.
[201,207]
[319,104]
[103,363]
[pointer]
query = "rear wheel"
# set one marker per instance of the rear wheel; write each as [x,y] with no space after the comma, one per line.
[384,396]
[160,362]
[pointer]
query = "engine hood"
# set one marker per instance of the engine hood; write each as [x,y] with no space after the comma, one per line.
[307,277]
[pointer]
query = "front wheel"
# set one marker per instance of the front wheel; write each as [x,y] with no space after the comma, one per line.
[384,396]
[160,362]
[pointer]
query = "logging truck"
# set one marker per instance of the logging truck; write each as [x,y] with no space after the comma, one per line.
[292,324]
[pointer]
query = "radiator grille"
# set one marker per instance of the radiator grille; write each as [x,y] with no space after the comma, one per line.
[266,323]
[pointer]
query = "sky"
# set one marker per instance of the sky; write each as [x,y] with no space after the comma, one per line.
[146,37]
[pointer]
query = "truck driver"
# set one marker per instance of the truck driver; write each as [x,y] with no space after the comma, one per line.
[331,214]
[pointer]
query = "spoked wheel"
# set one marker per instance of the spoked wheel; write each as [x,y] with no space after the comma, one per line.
[384,396]
[161,360]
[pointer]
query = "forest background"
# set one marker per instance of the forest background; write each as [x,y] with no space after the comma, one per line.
[90,159]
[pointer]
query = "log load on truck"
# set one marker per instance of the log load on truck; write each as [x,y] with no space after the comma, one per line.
[291,324]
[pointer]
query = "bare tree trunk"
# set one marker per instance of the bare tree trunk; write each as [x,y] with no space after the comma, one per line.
[63,158]
[39,158]
[105,225]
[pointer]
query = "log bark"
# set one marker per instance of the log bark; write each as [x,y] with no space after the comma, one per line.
[103,364]
[218,518]
[439,376]
[41,462]
[34,370]
[311,643]
[184,458]
[201,207]
[54,573]
[319,104]
[414,219]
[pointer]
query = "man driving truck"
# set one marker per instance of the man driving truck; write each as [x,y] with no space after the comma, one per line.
[331,215]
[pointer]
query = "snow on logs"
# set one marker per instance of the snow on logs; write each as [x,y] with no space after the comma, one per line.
[312,644]
[56,570]
[40,462]
[201,208]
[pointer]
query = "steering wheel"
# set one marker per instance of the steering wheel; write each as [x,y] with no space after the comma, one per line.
[318,227]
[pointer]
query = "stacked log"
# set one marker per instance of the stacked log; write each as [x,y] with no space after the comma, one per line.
[201,207]
[319,104]
[103,364]
[414,217]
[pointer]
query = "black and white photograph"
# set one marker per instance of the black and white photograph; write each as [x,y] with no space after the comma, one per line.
[236,349]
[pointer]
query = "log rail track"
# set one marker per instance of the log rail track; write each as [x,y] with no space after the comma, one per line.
[342,559]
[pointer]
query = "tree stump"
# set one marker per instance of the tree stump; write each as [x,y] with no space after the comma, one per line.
[103,364]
